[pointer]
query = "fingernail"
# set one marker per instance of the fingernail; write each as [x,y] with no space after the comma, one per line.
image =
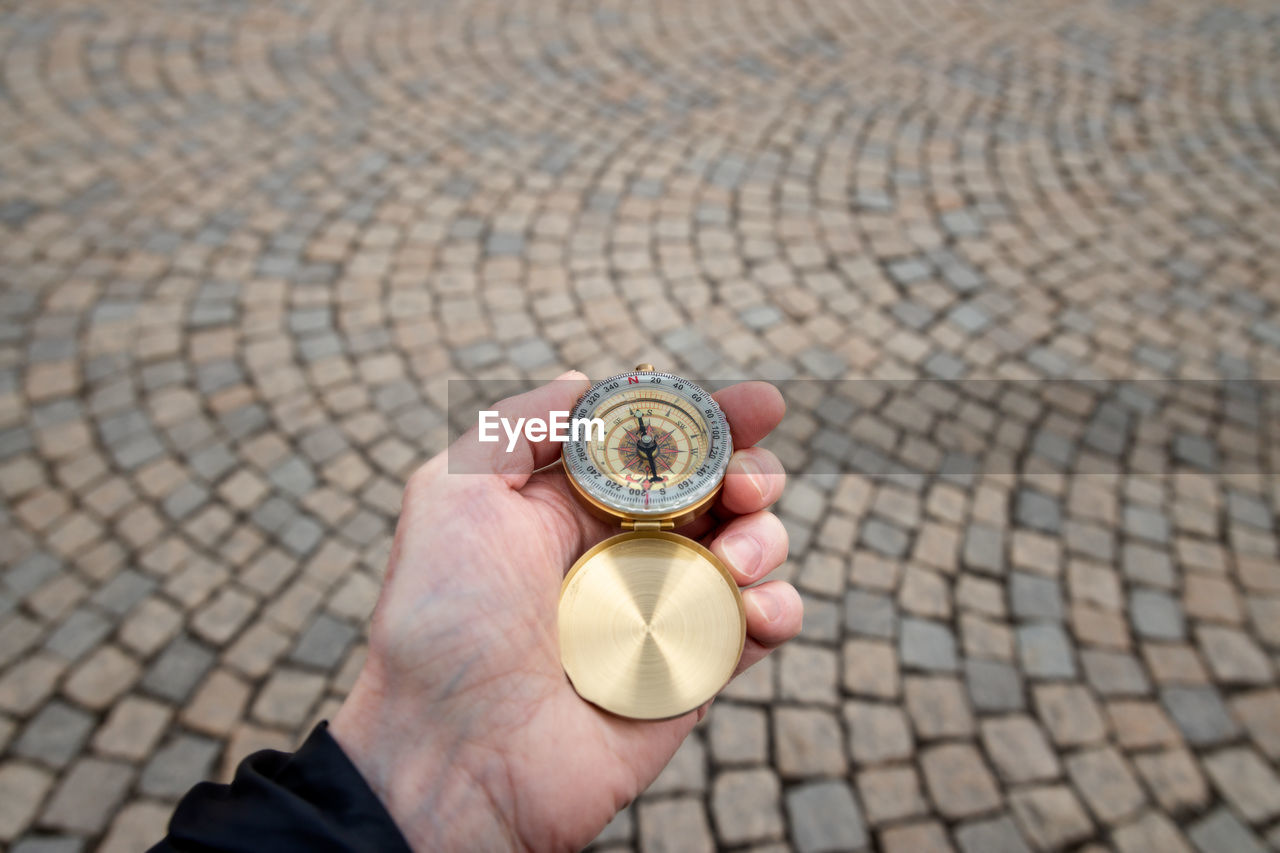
[570,374]
[743,552]
[754,473]
[768,605]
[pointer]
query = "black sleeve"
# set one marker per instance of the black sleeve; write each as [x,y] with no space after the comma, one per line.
[314,800]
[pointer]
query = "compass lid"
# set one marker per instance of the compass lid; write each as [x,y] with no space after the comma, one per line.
[651,625]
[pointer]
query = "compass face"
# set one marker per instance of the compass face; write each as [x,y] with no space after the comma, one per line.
[665,448]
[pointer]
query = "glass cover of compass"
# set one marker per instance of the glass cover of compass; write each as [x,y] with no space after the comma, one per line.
[665,448]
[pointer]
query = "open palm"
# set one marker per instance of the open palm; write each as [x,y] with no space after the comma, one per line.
[462,719]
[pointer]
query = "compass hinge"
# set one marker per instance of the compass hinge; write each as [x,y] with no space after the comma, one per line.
[631,524]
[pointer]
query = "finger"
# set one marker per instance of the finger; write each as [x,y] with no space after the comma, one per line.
[515,458]
[775,612]
[753,410]
[774,615]
[754,480]
[751,546]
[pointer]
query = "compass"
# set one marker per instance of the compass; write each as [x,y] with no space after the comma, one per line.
[651,623]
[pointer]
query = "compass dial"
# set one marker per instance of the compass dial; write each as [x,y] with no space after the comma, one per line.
[665,446]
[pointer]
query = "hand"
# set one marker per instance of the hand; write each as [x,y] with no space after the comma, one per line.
[462,719]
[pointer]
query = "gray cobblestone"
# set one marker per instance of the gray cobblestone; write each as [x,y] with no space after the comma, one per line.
[993,686]
[825,817]
[81,631]
[178,669]
[177,766]
[1200,713]
[870,614]
[927,645]
[54,735]
[994,835]
[1156,615]
[87,796]
[984,549]
[1033,597]
[1222,831]
[1045,652]
[324,642]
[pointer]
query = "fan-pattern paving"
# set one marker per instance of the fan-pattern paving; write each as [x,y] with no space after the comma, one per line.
[246,244]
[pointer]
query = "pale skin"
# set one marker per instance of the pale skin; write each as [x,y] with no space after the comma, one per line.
[462,720]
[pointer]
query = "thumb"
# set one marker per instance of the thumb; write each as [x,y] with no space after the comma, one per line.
[506,449]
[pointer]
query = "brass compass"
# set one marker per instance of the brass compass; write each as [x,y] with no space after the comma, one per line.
[651,623]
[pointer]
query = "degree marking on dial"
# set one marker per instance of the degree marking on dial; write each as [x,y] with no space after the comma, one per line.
[624,470]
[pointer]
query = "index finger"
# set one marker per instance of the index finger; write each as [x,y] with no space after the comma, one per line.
[753,409]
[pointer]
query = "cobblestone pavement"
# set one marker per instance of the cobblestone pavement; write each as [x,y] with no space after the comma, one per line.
[244,244]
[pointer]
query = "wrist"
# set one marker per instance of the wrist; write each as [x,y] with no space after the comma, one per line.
[438,792]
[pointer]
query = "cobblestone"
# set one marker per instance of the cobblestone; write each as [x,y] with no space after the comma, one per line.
[927,836]
[22,787]
[1200,713]
[1246,782]
[1233,657]
[993,686]
[1019,749]
[871,669]
[1069,713]
[877,732]
[997,835]
[927,645]
[808,743]
[958,781]
[890,793]
[1106,784]
[55,734]
[137,825]
[808,673]
[1175,777]
[670,826]
[132,728]
[228,311]
[1221,831]
[938,708]
[746,806]
[87,797]
[825,817]
[1153,831]
[1045,652]
[739,734]
[1156,615]
[1051,816]
[177,766]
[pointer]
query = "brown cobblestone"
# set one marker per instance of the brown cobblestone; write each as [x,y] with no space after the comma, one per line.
[890,793]
[959,782]
[22,787]
[102,677]
[1050,815]
[1175,779]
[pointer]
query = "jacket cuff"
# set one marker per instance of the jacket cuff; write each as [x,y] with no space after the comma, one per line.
[314,799]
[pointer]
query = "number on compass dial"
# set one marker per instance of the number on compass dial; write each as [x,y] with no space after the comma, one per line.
[665,445]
